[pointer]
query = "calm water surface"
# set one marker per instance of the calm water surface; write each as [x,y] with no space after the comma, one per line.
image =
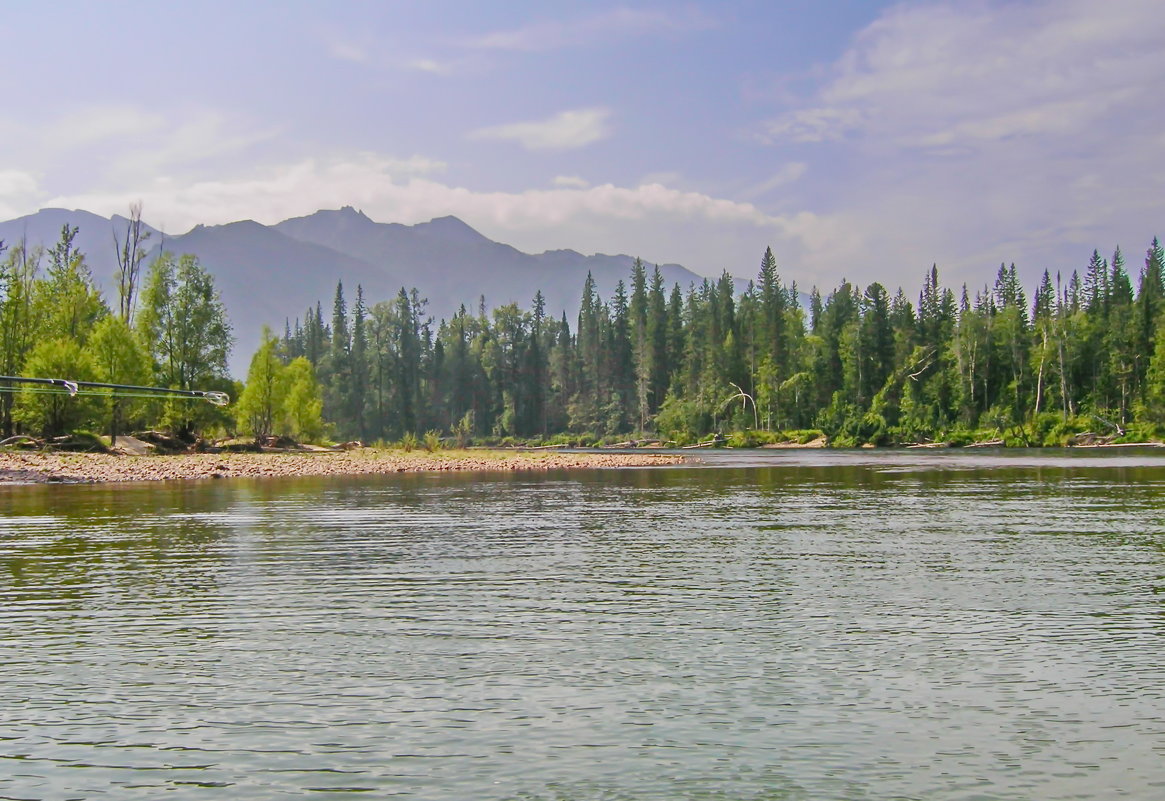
[772,626]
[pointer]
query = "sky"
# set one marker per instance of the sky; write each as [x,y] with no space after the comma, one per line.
[860,140]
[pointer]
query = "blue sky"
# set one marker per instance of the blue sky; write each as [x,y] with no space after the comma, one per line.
[859,139]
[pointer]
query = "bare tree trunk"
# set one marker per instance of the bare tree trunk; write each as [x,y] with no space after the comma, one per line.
[130,254]
[1040,375]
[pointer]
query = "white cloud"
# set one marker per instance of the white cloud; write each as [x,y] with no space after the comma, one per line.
[431,66]
[969,73]
[100,123]
[124,143]
[653,220]
[813,125]
[571,182]
[972,133]
[20,193]
[348,51]
[398,191]
[788,174]
[665,177]
[563,131]
[619,22]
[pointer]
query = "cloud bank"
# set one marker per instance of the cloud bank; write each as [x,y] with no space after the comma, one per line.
[980,132]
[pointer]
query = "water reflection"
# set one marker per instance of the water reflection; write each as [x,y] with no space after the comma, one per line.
[816,626]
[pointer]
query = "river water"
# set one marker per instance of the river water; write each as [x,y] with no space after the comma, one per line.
[791,625]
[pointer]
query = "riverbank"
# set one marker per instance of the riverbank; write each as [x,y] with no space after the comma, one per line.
[90,468]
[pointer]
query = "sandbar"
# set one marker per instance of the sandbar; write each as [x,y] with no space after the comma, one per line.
[25,467]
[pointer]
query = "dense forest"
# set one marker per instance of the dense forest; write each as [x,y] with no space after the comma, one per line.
[863,365]
[1083,353]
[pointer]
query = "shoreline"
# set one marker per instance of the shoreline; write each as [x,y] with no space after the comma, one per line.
[19,467]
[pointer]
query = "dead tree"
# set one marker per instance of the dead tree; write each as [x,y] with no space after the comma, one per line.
[131,252]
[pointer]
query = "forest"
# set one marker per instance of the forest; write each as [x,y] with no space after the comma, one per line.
[1084,354]
[168,329]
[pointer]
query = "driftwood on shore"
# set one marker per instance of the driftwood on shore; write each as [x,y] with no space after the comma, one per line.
[1123,445]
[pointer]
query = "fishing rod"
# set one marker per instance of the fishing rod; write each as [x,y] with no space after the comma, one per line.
[76,387]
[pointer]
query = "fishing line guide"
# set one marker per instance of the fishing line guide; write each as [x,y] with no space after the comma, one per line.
[73,387]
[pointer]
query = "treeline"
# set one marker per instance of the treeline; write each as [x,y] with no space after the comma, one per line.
[168,329]
[861,364]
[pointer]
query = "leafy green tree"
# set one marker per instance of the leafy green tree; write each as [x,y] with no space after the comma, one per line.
[119,357]
[1044,361]
[185,324]
[261,405]
[53,413]
[18,320]
[303,406]
[68,301]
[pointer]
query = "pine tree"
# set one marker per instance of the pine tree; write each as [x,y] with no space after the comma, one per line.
[357,395]
[1150,300]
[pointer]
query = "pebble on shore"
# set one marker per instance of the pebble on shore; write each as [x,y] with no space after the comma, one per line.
[85,468]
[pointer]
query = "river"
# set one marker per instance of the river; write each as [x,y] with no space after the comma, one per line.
[767,625]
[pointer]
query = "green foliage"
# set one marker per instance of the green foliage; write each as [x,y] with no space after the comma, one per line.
[681,419]
[301,416]
[750,438]
[18,320]
[185,325]
[262,403]
[463,431]
[1143,432]
[866,366]
[870,369]
[67,303]
[47,411]
[408,442]
[184,321]
[432,441]
[120,358]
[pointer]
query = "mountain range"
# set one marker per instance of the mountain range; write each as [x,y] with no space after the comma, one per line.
[268,274]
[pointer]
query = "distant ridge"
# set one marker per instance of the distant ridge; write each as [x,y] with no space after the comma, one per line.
[268,273]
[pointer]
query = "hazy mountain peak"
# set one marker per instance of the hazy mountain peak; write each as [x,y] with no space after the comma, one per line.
[451,228]
[267,274]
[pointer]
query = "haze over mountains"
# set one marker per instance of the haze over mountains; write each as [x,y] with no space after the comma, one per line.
[268,273]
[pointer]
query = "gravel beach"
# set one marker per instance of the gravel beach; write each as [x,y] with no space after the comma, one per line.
[84,468]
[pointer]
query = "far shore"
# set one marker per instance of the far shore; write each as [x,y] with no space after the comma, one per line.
[24,467]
